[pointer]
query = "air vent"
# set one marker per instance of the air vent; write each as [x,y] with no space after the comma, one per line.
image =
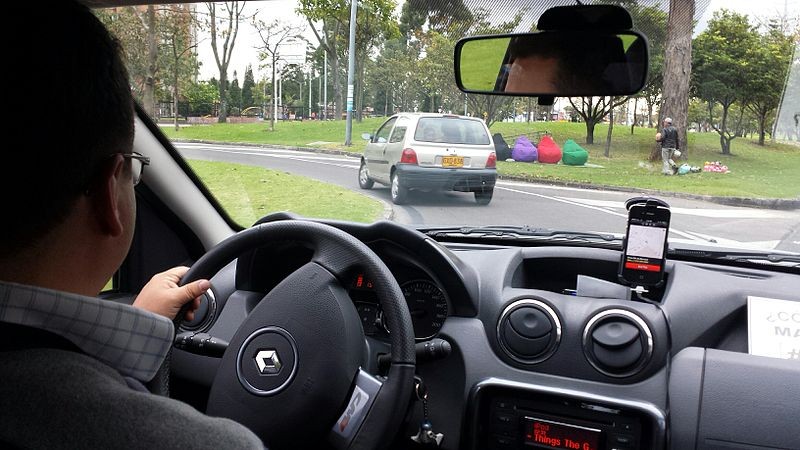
[528,331]
[617,343]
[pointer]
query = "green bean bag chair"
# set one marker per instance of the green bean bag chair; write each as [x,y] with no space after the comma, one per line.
[574,154]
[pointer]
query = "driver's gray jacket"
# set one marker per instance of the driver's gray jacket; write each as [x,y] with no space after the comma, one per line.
[85,390]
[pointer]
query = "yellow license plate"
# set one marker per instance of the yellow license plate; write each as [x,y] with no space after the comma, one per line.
[452,161]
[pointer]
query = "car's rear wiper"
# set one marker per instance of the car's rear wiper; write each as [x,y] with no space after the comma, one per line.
[766,257]
[517,232]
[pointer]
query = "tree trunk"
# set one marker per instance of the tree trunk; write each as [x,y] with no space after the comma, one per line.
[223,96]
[610,130]
[152,63]
[635,106]
[175,99]
[762,125]
[590,123]
[678,68]
[338,94]
[725,143]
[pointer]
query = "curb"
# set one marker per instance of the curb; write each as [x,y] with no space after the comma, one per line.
[326,151]
[764,203]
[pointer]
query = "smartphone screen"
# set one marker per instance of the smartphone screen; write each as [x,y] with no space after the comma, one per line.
[645,244]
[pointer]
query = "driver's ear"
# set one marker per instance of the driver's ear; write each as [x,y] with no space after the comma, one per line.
[106,197]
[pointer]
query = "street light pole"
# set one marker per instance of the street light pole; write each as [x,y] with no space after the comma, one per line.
[351,68]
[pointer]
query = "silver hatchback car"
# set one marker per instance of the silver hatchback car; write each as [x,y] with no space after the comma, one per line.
[430,152]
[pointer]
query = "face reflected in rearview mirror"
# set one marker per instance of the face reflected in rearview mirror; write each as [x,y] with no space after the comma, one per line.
[553,63]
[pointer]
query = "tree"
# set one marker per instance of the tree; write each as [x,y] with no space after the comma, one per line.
[652,21]
[720,61]
[247,87]
[225,28]
[180,61]
[150,26]
[201,97]
[769,61]
[677,70]
[372,22]
[235,94]
[126,25]
[593,109]
[272,36]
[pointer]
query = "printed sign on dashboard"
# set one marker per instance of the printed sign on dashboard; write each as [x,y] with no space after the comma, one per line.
[773,328]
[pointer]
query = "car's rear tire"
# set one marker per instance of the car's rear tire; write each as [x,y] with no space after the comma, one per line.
[398,191]
[364,181]
[484,197]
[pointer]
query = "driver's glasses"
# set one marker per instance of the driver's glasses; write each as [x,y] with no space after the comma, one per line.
[138,161]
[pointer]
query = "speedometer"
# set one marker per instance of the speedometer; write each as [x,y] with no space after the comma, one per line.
[427,305]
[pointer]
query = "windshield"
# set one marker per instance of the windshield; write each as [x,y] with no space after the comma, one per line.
[451,131]
[257,97]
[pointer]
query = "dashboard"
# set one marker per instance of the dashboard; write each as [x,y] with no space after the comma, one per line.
[533,365]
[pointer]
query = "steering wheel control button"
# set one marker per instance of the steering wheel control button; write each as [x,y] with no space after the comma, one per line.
[617,343]
[267,361]
[530,322]
[361,399]
[528,331]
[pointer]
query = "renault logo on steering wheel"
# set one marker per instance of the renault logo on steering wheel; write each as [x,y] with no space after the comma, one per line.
[268,362]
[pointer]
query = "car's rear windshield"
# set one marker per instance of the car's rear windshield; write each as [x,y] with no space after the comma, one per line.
[451,130]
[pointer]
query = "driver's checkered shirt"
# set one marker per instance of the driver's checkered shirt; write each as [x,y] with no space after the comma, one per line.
[131,340]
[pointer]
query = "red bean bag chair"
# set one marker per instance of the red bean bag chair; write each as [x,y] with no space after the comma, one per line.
[549,153]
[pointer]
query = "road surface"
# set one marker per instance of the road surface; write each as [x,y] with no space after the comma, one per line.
[536,205]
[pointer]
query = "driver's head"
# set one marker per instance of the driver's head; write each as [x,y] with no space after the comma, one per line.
[75,117]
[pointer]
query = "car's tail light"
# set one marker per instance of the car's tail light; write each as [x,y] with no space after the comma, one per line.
[409,156]
[491,161]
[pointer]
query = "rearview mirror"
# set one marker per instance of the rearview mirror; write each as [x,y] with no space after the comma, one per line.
[560,63]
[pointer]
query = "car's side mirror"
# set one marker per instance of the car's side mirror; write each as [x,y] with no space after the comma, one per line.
[366,136]
[558,63]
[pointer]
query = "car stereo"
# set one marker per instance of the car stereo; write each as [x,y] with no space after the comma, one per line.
[555,422]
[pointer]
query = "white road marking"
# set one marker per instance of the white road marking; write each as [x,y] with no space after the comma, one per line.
[279,154]
[596,208]
[738,213]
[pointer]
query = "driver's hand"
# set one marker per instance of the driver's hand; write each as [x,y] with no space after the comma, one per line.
[162,295]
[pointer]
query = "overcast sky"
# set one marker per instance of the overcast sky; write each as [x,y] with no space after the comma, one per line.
[284,10]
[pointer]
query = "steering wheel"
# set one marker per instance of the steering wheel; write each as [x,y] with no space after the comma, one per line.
[292,371]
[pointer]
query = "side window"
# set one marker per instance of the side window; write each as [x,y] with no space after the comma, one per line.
[382,135]
[398,134]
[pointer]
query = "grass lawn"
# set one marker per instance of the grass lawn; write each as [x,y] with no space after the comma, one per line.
[771,171]
[249,193]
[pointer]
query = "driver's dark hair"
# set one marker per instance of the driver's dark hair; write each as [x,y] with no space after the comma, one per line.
[69,109]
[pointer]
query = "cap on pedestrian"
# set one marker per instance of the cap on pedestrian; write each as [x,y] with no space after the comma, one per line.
[668,120]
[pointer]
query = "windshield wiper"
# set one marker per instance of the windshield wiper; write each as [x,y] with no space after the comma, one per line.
[766,257]
[516,232]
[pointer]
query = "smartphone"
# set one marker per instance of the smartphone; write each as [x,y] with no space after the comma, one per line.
[645,246]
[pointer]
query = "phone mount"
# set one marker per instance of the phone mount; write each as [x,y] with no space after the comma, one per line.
[646,201]
[650,205]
